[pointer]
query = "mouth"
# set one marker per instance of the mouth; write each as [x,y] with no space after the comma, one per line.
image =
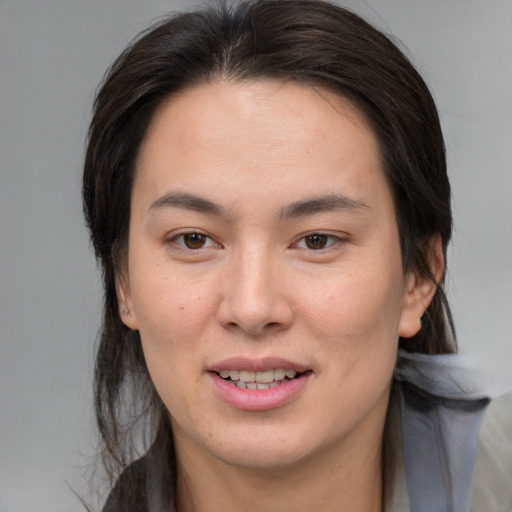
[260,380]
[259,384]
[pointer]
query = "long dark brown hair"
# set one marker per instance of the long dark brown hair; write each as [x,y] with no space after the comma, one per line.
[310,42]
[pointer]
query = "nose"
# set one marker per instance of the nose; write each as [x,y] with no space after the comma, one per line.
[254,298]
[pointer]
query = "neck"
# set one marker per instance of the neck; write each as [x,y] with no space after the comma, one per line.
[333,481]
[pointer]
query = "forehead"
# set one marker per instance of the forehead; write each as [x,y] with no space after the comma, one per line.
[270,112]
[258,136]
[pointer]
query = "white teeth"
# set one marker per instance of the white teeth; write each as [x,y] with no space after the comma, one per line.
[279,374]
[247,376]
[265,377]
[254,385]
[268,386]
[261,380]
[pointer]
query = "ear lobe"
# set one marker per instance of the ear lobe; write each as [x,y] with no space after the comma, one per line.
[420,289]
[124,303]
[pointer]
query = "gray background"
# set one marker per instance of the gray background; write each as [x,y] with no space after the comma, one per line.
[52,55]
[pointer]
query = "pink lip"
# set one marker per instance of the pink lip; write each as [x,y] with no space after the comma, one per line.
[257,365]
[258,399]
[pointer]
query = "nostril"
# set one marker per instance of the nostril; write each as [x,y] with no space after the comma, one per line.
[254,317]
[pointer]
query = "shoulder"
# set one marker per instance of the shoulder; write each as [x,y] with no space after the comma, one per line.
[492,477]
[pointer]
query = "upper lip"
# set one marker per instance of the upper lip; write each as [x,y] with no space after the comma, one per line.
[257,365]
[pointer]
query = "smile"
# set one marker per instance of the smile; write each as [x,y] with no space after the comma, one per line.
[259,384]
[258,380]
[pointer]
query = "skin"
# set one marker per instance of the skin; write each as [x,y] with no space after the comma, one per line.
[252,287]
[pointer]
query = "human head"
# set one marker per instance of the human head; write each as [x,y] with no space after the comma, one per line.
[306,41]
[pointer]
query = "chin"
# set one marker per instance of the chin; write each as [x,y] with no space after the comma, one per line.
[267,457]
[266,448]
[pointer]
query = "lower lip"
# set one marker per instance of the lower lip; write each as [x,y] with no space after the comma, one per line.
[259,399]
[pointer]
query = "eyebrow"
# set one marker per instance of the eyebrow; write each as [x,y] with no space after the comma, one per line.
[320,204]
[188,202]
[305,207]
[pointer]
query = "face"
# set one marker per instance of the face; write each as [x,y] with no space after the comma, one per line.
[264,273]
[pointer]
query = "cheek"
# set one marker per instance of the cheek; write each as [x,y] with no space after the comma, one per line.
[355,307]
[171,308]
[356,325]
[173,317]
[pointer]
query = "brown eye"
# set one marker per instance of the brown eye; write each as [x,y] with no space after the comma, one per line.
[194,240]
[316,241]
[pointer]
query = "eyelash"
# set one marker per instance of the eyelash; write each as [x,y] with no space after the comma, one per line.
[181,241]
[303,241]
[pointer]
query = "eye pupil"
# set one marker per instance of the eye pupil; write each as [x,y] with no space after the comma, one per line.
[194,240]
[316,241]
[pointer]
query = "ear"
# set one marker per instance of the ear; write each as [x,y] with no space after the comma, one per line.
[420,289]
[124,301]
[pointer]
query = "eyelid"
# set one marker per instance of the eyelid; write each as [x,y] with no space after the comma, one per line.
[173,238]
[335,239]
